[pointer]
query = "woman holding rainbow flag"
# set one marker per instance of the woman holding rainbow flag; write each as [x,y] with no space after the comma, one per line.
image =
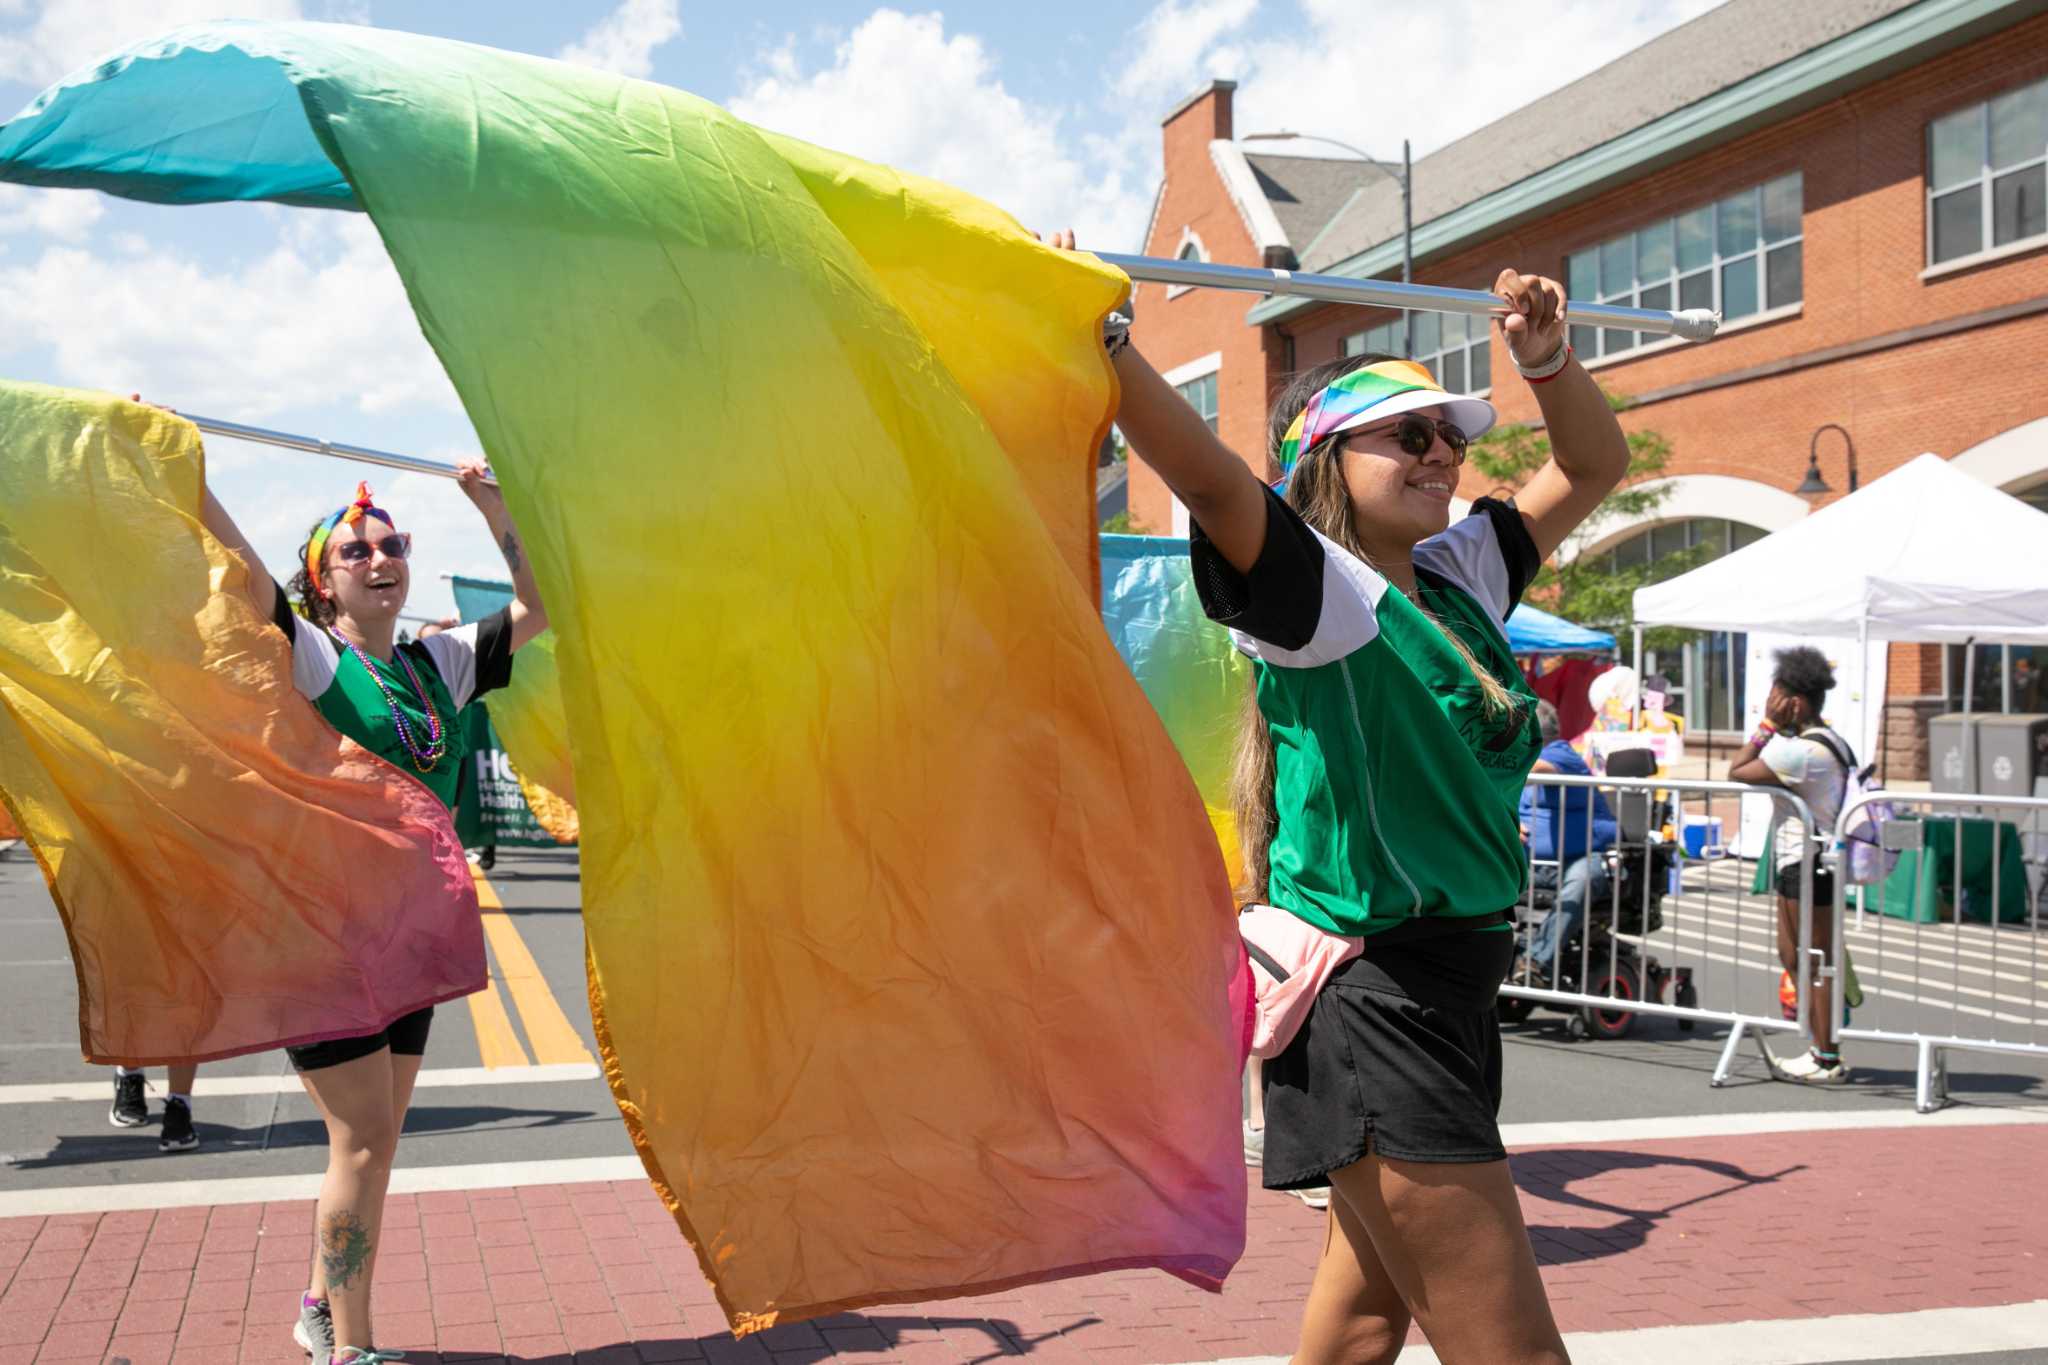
[1380,763]
[399,701]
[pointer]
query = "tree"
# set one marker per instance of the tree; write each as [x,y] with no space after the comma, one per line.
[1117,525]
[1585,588]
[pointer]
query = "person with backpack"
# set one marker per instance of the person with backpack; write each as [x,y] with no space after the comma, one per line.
[1793,750]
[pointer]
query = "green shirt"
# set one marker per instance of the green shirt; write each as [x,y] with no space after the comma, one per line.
[452,667]
[1396,790]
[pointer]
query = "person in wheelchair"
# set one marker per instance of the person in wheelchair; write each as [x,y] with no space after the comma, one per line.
[1562,849]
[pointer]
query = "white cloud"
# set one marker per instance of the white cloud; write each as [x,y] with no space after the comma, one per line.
[317,321]
[1428,73]
[902,91]
[624,40]
[64,214]
[66,35]
[1178,43]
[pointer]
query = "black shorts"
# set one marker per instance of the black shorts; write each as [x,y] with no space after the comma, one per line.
[406,1037]
[1400,1057]
[1823,884]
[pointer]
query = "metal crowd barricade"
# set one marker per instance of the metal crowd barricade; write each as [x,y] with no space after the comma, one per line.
[1932,976]
[1665,932]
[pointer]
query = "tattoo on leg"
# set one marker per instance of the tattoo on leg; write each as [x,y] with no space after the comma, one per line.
[344,1248]
[510,545]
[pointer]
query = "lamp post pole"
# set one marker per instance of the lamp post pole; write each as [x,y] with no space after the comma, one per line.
[1406,181]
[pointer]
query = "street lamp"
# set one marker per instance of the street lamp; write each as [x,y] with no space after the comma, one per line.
[1814,485]
[1405,179]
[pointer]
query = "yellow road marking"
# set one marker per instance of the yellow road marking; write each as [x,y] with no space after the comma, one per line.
[495,1039]
[554,1038]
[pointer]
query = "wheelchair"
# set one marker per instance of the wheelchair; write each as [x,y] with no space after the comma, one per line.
[1637,869]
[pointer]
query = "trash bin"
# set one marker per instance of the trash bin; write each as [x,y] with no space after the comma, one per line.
[1951,756]
[2009,752]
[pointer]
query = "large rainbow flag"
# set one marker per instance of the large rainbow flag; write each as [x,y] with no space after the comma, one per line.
[909,942]
[205,834]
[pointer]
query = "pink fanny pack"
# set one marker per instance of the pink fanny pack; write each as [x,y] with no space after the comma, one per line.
[1289,960]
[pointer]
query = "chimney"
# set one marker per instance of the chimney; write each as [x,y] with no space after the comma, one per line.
[1202,117]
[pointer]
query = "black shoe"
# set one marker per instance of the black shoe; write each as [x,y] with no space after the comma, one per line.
[130,1109]
[488,859]
[177,1135]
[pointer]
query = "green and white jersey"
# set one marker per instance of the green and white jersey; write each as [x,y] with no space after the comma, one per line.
[454,666]
[1396,790]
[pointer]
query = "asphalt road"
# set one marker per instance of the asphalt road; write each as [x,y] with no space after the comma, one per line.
[546,1100]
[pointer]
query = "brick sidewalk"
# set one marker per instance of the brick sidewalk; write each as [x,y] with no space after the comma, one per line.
[1631,1234]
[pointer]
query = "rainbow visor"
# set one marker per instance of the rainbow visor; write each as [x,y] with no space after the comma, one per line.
[1372,394]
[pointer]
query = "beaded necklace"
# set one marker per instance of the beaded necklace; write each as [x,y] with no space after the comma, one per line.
[426,757]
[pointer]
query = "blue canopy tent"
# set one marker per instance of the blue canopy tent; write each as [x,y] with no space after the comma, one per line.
[1538,632]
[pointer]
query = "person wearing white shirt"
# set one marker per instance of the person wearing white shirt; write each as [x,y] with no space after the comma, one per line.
[1784,752]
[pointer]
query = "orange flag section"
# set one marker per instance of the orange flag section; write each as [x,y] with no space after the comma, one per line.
[232,874]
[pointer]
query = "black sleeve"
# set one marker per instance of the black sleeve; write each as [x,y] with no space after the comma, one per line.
[1517,547]
[281,615]
[493,651]
[1281,599]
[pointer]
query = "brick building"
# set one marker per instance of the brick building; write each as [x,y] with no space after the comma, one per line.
[1858,186]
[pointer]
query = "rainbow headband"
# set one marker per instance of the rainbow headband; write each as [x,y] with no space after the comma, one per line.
[316,544]
[1371,393]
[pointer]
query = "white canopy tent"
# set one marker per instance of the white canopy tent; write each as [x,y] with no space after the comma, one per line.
[1925,554]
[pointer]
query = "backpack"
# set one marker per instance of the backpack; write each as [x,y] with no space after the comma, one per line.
[1863,858]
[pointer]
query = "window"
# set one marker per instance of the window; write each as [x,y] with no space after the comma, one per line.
[1457,349]
[1189,252]
[1740,256]
[1201,396]
[1987,170]
[1707,669]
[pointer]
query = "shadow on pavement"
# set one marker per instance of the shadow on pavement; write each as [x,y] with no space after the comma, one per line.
[425,1120]
[802,1341]
[1564,1244]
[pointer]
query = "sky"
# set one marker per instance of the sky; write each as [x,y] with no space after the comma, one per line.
[295,320]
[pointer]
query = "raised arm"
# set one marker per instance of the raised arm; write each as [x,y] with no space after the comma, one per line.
[261,587]
[529,616]
[1219,491]
[1588,451]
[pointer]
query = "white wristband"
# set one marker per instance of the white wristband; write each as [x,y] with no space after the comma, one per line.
[1559,358]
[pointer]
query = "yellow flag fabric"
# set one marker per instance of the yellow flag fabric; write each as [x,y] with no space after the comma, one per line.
[532,726]
[232,874]
[910,945]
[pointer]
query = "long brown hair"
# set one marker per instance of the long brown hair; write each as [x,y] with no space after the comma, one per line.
[1317,491]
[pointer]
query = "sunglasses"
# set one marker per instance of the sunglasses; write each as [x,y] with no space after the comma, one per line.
[397,545]
[1415,434]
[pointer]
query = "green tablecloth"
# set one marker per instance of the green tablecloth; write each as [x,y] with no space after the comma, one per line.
[1922,886]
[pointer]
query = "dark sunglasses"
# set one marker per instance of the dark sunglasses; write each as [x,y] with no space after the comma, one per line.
[1415,434]
[397,545]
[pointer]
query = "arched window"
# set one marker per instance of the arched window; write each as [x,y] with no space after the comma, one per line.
[1707,671]
[1191,249]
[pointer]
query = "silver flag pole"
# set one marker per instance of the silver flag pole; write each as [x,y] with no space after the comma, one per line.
[315,446]
[1691,324]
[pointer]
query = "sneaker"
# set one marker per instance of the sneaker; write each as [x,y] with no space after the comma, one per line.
[177,1135]
[1254,1146]
[1317,1198]
[1808,1069]
[488,859]
[357,1355]
[314,1331]
[130,1109]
